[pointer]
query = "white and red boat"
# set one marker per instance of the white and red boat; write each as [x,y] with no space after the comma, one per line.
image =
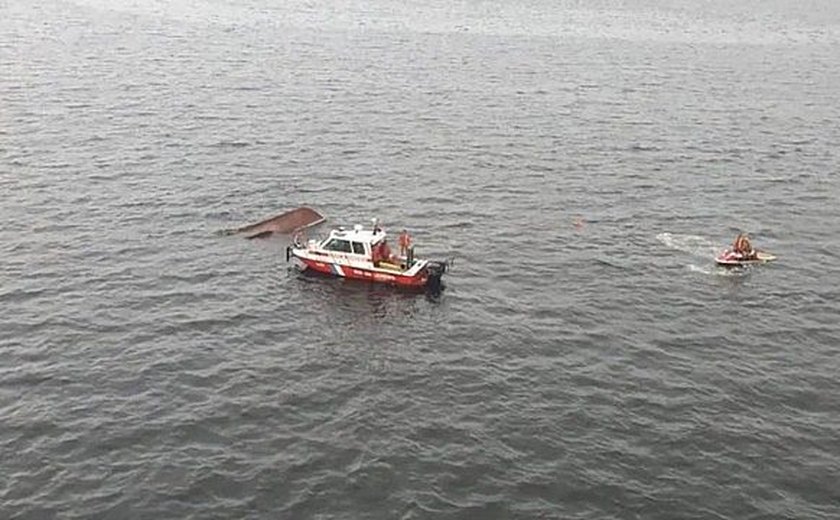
[731,258]
[364,254]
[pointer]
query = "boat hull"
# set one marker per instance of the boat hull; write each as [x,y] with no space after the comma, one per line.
[420,279]
[728,259]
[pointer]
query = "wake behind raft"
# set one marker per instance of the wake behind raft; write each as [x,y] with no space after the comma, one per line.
[287,223]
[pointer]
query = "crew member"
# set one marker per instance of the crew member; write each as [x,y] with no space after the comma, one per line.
[405,242]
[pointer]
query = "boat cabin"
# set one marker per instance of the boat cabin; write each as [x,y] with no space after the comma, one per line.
[355,242]
[364,245]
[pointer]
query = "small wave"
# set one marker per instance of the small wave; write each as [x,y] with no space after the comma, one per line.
[699,269]
[714,270]
[232,144]
[695,245]
[725,272]
[607,263]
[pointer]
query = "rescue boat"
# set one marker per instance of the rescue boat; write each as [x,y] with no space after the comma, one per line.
[364,254]
[731,258]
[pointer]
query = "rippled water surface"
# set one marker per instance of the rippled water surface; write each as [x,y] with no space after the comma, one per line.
[583,162]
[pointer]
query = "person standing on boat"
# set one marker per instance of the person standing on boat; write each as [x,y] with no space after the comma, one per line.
[405,242]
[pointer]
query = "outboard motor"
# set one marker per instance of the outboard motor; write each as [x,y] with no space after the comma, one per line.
[436,268]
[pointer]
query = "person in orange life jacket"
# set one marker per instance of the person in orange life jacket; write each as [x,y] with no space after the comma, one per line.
[405,242]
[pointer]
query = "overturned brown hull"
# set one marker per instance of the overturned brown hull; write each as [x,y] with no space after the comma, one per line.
[287,222]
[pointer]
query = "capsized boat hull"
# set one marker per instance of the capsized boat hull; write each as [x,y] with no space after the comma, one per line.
[288,222]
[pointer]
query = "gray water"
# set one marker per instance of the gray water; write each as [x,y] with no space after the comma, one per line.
[582,162]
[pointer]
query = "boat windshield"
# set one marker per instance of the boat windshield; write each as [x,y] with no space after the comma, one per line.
[339,245]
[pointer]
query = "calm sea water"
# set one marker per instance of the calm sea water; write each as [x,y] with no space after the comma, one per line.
[582,161]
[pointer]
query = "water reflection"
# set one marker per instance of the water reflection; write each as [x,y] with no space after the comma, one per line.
[360,325]
[361,298]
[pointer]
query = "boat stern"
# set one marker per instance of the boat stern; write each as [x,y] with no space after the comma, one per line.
[435,270]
